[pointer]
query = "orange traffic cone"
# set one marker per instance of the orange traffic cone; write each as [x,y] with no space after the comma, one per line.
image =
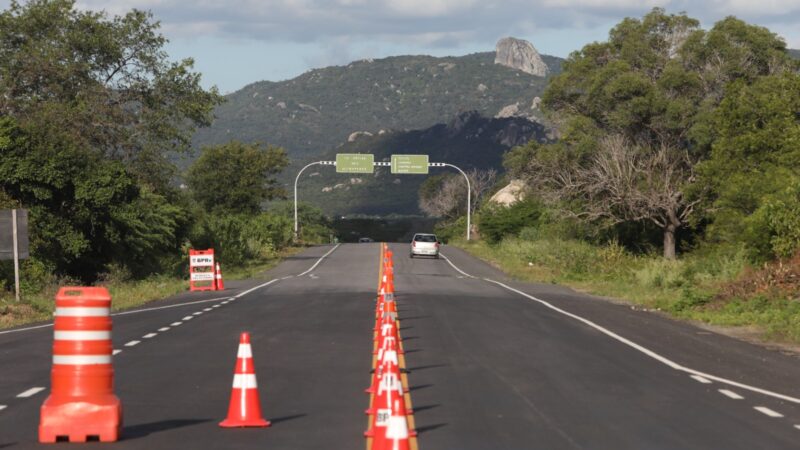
[218,276]
[395,434]
[245,407]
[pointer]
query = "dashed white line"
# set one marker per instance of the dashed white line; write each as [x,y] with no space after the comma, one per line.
[188,318]
[150,335]
[197,313]
[207,309]
[2,407]
[640,348]
[701,379]
[30,392]
[767,411]
[175,324]
[131,343]
[730,394]
[797,426]
[216,306]
[163,329]
[116,351]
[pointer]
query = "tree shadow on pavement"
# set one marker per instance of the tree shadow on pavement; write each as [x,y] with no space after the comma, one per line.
[145,429]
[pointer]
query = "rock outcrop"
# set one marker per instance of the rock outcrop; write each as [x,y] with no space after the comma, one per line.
[521,55]
[510,194]
[357,134]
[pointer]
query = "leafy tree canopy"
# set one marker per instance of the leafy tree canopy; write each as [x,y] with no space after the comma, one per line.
[236,177]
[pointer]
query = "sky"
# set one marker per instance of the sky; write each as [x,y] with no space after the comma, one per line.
[238,42]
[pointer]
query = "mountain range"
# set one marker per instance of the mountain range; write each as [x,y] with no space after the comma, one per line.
[460,109]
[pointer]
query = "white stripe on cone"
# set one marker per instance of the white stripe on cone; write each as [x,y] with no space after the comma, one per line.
[80,311]
[244,381]
[245,351]
[82,335]
[81,360]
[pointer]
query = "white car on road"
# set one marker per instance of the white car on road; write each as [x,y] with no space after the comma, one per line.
[425,244]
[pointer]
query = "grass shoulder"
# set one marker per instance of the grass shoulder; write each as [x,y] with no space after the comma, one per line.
[718,287]
[127,294]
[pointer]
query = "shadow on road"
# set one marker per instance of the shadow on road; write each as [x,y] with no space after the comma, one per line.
[425,407]
[418,387]
[421,430]
[145,429]
[286,418]
[429,366]
[7,445]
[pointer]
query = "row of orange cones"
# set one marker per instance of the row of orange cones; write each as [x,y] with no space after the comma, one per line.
[388,425]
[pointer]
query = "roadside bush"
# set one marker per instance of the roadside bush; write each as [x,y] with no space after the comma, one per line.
[497,221]
[239,238]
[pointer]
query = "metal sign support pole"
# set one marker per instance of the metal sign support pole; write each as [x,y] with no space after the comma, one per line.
[296,179]
[469,191]
[16,252]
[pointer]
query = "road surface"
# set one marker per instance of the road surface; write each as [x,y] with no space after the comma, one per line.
[494,364]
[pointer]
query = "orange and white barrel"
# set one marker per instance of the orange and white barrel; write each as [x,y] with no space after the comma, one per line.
[82,403]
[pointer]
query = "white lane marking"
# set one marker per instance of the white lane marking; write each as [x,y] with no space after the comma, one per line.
[797,426]
[116,352]
[701,379]
[188,318]
[150,335]
[162,329]
[454,266]
[2,407]
[30,392]
[175,324]
[313,277]
[216,306]
[197,313]
[730,394]
[207,309]
[767,411]
[664,360]
[178,305]
[131,343]
[320,260]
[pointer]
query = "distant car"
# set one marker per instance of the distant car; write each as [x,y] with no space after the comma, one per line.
[425,244]
[364,240]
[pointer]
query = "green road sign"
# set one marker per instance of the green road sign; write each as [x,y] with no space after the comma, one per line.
[354,162]
[410,164]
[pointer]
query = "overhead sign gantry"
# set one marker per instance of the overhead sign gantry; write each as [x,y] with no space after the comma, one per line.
[365,163]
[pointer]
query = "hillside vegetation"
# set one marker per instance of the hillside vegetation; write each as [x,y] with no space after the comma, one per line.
[318,110]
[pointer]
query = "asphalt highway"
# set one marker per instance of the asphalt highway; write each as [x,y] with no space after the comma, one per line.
[494,364]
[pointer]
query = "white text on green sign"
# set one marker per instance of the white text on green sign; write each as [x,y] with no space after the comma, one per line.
[354,162]
[410,164]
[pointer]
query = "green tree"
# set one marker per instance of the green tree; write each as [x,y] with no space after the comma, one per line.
[91,110]
[635,117]
[754,159]
[105,84]
[236,177]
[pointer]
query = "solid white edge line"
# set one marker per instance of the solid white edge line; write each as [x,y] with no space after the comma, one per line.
[700,379]
[666,361]
[131,343]
[137,311]
[30,392]
[454,266]
[768,412]
[730,394]
[320,260]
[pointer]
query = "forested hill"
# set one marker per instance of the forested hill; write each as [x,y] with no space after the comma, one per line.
[318,110]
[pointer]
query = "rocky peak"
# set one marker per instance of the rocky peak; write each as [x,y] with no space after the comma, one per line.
[521,55]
